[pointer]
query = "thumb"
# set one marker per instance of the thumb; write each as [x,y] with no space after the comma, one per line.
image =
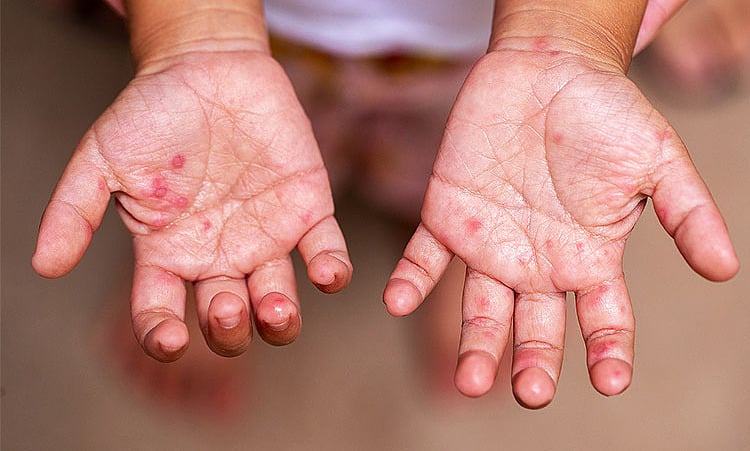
[73,213]
[689,214]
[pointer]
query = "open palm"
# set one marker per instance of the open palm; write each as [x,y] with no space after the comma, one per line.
[217,174]
[544,169]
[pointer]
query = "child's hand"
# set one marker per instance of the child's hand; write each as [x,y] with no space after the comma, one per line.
[545,166]
[216,173]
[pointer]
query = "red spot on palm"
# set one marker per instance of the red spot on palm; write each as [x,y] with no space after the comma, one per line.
[178,161]
[181,202]
[159,187]
[473,225]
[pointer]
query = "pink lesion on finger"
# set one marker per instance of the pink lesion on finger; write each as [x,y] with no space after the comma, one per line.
[664,135]
[557,138]
[541,44]
[596,296]
[206,225]
[604,349]
[307,217]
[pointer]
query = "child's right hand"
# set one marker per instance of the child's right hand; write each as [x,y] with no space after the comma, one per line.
[217,175]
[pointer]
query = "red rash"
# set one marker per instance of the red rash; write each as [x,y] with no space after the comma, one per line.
[663,136]
[181,202]
[178,161]
[473,225]
[603,349]
[158,187]
[541,44]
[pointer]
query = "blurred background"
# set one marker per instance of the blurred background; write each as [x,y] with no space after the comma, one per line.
[72,378]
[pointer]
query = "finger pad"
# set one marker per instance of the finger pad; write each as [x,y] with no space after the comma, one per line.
[611,376]
[401,297]
[533,388]
[475,373]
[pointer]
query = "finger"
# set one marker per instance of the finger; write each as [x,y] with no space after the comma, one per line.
[539,336]
[689,214]
[157,307]
[423,263]
[608,327]
[487,315]
[73,214]
[224,314]
[324,251]
[274,300]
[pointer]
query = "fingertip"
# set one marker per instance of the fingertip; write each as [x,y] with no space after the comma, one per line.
[229,330]
[611,376]
[329,273]
[167,341]
[278,319]
[533,388]
[62,241]
[725,265]
[475,373]
[703,239]
[401,297]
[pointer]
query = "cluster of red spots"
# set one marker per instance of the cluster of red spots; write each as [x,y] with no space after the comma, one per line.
[159,187]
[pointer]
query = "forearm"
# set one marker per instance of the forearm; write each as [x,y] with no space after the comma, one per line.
[603,31]
[165,29]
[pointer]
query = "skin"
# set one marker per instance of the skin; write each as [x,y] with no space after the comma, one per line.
[217,179]
[548,157]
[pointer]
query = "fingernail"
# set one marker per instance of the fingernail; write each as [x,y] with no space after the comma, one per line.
[278,327]
[229,322]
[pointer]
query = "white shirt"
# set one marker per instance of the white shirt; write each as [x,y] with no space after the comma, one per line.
[367,27]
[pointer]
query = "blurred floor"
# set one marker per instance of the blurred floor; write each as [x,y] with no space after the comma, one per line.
[350,381]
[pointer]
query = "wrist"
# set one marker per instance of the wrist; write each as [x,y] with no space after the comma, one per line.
[162,31]
[601,32]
